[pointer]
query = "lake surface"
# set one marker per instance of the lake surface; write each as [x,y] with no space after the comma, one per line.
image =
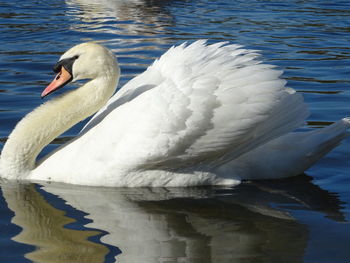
[302,219]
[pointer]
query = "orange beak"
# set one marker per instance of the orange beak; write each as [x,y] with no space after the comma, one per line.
[61,79]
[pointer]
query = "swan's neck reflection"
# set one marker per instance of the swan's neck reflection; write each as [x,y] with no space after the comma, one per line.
[44,227]
[169,225]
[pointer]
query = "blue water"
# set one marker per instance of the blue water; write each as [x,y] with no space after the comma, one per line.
[302,219]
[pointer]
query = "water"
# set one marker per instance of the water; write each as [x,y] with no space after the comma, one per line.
[302,219]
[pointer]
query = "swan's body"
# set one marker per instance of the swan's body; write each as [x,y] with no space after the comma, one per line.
[199,115]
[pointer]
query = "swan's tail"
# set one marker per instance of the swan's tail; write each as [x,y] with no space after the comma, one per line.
[326,139]
[288,155]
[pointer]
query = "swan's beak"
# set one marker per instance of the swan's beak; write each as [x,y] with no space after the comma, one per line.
[61,79]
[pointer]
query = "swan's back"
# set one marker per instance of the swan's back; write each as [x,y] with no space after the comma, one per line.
[197,107]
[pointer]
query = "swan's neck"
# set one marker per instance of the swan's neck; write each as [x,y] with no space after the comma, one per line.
[45,123]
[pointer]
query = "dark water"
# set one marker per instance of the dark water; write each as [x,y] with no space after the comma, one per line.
[302,219]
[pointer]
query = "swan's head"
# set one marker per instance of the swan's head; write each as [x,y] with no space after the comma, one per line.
[83,61]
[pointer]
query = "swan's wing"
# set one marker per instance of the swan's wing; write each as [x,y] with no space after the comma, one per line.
[198,105]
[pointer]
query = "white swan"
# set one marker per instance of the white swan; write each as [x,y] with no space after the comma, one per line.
[201,114]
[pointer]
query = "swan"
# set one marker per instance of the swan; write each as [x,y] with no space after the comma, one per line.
[199,115]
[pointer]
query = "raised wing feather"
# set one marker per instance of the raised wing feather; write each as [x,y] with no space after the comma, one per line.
[198,105]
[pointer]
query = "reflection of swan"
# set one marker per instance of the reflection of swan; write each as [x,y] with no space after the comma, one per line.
[43,227]
[196,116]
[169,224]
[149,18]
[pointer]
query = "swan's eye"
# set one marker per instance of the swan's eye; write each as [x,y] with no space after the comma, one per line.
[67,63]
